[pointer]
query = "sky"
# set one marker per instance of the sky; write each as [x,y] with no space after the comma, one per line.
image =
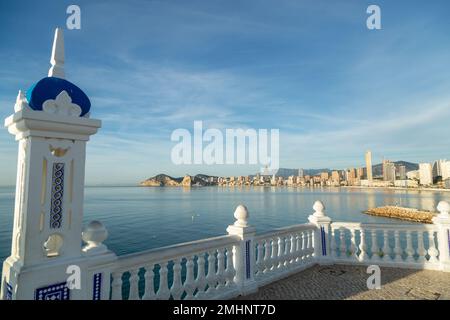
[311,69]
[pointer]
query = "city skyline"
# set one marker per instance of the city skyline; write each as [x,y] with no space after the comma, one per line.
[314,71]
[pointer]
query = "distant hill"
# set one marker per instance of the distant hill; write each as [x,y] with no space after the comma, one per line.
[377,170]
[164,180]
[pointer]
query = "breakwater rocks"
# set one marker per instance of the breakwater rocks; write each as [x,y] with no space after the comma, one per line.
[402,213]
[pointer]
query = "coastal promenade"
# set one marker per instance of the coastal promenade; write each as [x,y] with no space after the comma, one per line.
[340,282]
[48,260]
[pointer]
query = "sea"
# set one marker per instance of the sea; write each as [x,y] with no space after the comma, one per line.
[141,218]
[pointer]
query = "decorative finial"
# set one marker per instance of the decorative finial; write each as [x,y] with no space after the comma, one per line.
[94,235]
[444,208]
[318,208]
[241,215]
[57,59]
[21,102]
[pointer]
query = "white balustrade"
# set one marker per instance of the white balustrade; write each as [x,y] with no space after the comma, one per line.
[283,251]
[408,251]
[175,263]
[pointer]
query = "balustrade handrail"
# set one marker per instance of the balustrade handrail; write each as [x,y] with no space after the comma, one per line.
[284,231]
[383,226]
[163,254]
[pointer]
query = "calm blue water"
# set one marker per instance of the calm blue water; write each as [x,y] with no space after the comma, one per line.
[140,218]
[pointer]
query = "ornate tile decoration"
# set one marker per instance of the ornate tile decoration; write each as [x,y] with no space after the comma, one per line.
[58,291]
[448,236]
[9,292]
[57,195]
[324,244]
[97,287]
[247,259]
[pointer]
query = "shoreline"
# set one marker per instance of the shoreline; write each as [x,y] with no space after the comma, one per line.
[397,188]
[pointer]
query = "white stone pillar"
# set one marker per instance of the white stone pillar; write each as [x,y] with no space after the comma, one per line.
[322,250]
[244,252]
[47,261]
[442,222]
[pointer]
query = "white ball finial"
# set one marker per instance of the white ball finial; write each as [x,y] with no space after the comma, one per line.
[318,209]
[241,215]
[94,234]
[444,208]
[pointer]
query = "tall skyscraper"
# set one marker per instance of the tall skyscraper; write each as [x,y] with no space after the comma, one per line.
[388,170]
[402,172]
[301,173]
[425,174]
[369,165]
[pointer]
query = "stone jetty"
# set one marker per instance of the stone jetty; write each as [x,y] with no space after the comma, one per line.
[409,214]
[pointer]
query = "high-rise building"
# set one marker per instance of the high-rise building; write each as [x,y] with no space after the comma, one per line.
[446,170]
[360,173]
[388,170]
[402,172]
[335,177]
[438,168]
[324,176]
[351,176]
[369,165]
[425,174]
[301,173]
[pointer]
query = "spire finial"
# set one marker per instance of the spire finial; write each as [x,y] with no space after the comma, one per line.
[57,59]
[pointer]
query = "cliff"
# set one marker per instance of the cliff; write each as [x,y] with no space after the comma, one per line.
[163,180]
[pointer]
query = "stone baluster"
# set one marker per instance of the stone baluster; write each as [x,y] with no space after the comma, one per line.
[397,247]
[116,286]
[374,246]
[177,288]
[353,245]
[134,284]
[260,258]
[211,279]
[342,244]
[274,256]
[432,251]
[293,252]
[229,269]
[280,253]
[409,248]
[363,247]
[304,246]
[189,285]
[386,247]
[333,244]
[149,293]
[220,275]
[298,246]
[163,291]
[267,256]
[421,252]
[442,222]
[287,252]
[201,277]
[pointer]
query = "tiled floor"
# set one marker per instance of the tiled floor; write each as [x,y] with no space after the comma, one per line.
[339,282]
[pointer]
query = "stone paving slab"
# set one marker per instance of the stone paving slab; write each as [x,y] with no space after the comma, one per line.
[339,282]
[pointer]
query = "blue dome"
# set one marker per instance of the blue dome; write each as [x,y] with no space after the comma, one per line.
[50,87]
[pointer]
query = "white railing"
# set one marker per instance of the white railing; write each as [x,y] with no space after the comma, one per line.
[193,270]
[283,251]
[400,245]
[240,262]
